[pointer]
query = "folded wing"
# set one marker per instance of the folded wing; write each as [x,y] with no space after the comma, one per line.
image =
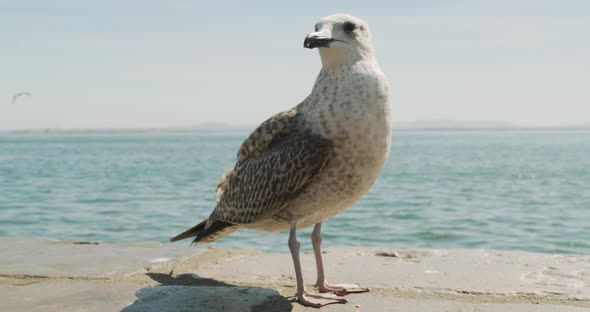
[275,164]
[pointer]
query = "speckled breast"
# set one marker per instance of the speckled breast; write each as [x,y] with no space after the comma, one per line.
[355,165]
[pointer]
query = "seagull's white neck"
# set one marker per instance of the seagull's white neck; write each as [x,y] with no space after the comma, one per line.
[353,94]
[333,57]
[365,67]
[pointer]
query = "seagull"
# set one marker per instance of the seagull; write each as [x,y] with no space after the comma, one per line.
[22,93]
[307,164]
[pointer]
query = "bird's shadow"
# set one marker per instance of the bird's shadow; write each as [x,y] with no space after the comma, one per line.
[189,292]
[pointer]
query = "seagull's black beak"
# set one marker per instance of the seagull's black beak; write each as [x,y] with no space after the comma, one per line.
[314,41]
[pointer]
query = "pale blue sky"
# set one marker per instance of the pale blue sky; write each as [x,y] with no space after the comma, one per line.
[174,63]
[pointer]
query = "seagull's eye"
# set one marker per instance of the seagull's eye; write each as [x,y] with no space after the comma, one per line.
[348,27]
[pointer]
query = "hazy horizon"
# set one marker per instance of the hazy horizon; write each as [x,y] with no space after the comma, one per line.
[154,64]
[427,124]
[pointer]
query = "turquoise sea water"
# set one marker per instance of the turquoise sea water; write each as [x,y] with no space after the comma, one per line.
[517,190]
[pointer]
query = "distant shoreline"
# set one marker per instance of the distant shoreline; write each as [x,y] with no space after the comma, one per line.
[223,128]
[497,129]
[245,130]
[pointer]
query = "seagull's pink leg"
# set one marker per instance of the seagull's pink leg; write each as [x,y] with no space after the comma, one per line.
[321,284]
[309,299]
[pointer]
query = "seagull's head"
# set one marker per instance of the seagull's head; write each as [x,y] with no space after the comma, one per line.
[340,38]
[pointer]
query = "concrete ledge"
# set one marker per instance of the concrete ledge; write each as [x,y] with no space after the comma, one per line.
[38,274]
[51,257]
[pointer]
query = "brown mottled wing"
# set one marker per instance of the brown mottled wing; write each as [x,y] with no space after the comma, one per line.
[271,130]
[274,165]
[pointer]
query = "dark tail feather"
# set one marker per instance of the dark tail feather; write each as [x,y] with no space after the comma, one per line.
[202,233]
[194,231]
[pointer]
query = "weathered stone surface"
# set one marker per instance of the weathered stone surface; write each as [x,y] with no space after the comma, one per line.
[450,271]
[373,304]
[39,274]
[206,298]
[73,297]
[131,298]
[51,257]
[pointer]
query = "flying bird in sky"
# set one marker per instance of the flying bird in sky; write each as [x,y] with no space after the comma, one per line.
[18,95]
[307,164]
